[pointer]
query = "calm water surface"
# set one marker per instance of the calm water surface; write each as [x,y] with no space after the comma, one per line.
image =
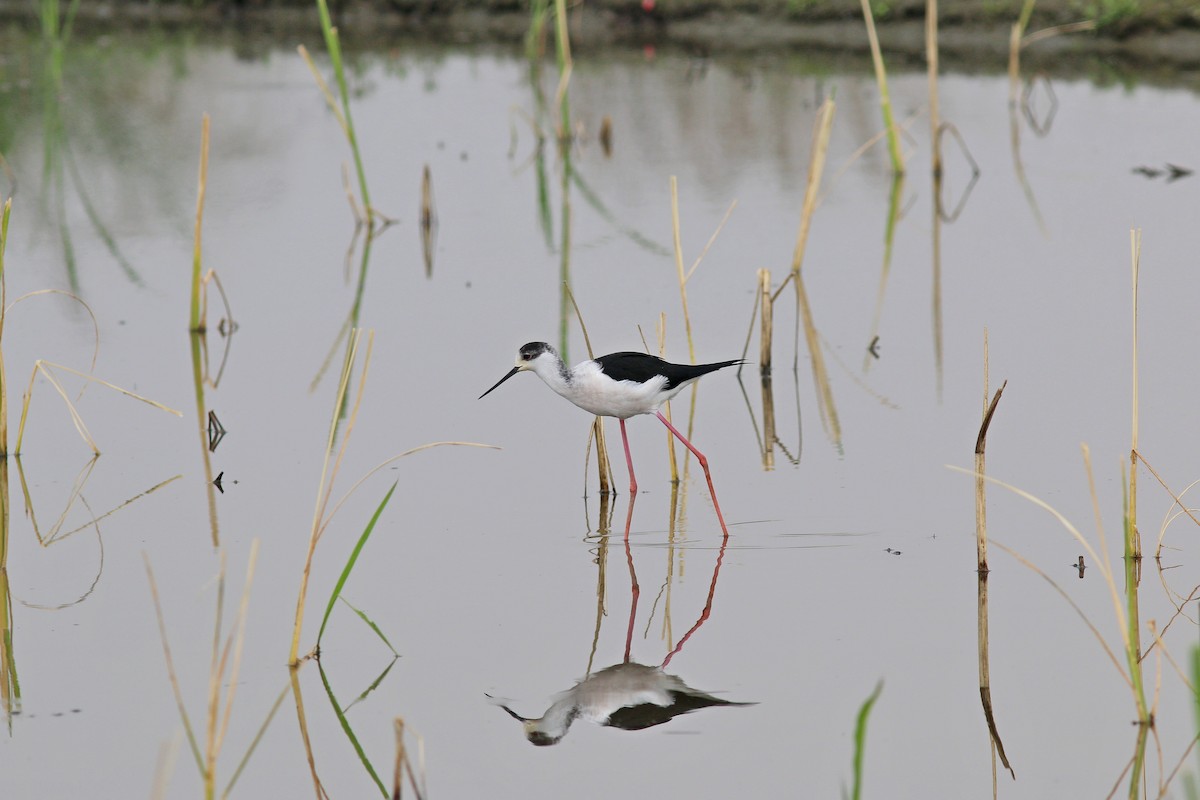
[483,571]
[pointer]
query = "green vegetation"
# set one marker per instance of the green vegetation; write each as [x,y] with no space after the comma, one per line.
[860,740]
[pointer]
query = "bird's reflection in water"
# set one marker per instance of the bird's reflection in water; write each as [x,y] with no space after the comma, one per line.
[629,696]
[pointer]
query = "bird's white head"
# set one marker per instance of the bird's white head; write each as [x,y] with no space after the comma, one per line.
[530,357]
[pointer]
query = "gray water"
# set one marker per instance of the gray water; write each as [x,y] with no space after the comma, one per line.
[483,570]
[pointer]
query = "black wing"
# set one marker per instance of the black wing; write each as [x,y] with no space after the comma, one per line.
[641,367]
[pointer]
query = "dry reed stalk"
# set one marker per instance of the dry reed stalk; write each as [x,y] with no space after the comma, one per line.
[4,217]
[1135,246]
[1176,497]
[197,324]
[1099,556]
[1061,592]
[164,766]
[603,464]
[237,642]
[398,769]
[816,166]
[980,496]
[825,404]
[326,487]
[750,328]
[43,292]
[44,367]
[302,721]
[711,239]
[985,678]
[222,670]
[687,320]
[10,685]
[935,147]
[885,102]
[862,149]
[403,763]
[676,238]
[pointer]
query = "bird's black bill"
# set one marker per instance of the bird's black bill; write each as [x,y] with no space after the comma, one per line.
[512,713]
[511,372]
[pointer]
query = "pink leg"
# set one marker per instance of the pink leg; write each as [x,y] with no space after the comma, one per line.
[635,590]
[633,581]
[628,462]
[703,463]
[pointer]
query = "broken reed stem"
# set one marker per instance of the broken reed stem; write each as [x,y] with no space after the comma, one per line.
[1133,545]
[44,368]
[603,465]
[196,323]
[767,320]
[1127,623]
[985,678]
[885,102]
[980,499]
[767,304]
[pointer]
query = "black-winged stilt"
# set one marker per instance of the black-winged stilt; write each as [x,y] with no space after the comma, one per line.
[629,696]
[620,385]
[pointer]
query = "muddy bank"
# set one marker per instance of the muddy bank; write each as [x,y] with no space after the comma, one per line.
[972,34]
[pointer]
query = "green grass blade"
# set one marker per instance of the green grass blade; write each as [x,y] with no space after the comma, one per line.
[337,709]
[1196,682]
[371,624]
[362,540]
[374,685]
[860,740]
